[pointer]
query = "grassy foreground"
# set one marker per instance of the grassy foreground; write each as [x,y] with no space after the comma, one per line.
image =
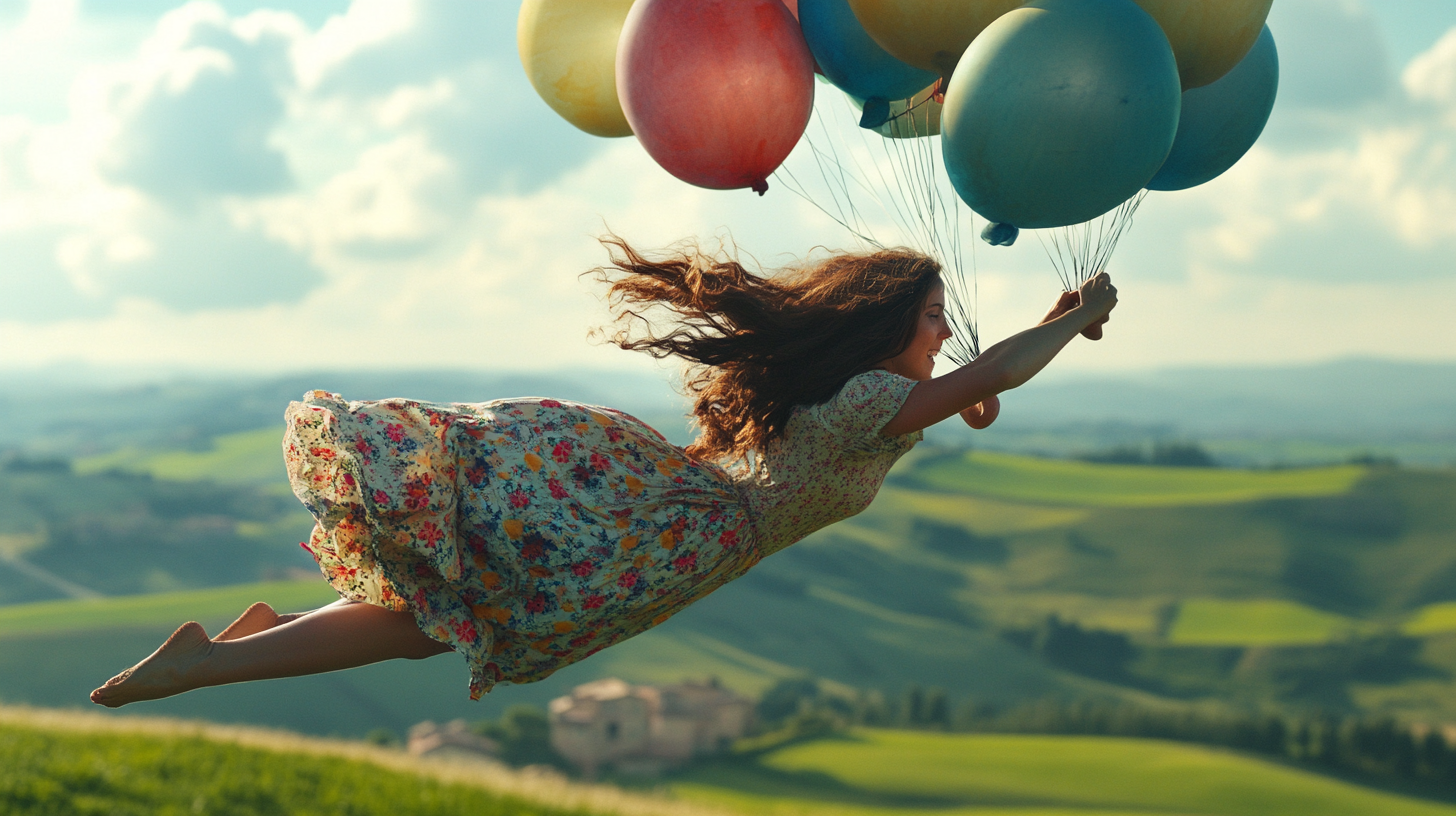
[879,773]
[59,763]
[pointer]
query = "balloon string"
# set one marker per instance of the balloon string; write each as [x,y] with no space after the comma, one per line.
[1081,251]
[905,185]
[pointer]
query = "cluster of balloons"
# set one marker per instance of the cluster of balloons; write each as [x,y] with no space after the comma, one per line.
[1051,112]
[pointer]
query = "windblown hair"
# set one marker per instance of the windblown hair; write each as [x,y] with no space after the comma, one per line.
[758,345]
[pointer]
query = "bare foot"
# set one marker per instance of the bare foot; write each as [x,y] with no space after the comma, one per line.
[257,618]
[165,673]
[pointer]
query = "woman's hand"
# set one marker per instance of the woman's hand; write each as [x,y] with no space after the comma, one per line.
[1099,296]
[982,414]
[1005,365]
[1066,303]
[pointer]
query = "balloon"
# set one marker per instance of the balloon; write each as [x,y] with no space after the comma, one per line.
[1209,37]
[912,118]
[569,51]
[853,62]
[793,7]
[717,91]
[1060,111]
[1221,121]
[928,34]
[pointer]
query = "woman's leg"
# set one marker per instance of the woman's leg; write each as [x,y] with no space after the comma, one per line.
[339,636]
[260,616]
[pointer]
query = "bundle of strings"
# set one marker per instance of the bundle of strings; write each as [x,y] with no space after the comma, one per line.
[850,169]
[1081,251]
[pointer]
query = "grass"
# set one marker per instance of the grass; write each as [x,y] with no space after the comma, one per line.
[206,605]
[248,457]
[878,773]
[59,763]
[1263,622]
[1434,619]
[1081,484]
[982,516]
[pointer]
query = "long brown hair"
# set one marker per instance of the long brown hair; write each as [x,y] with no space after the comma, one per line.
[758,345]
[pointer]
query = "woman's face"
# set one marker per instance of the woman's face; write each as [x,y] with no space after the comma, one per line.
[917,361]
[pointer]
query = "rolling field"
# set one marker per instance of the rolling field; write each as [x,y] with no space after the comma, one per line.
[248,457]
[1432,620]
[1081,484]
[213,607]
[1216,622]
[880,773]
[942,582]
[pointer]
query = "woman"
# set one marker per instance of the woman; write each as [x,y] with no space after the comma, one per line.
[527,534]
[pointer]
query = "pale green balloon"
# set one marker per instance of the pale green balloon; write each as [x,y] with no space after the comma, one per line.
[1060,111]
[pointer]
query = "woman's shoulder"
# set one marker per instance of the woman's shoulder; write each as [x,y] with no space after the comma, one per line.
[863,405]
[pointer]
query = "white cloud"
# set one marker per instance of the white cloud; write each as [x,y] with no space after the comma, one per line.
[1431,76]
[195,111]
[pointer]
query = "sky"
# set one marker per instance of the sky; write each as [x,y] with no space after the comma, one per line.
[243,187]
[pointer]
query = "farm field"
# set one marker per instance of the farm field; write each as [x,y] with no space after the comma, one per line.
[1083,484]
[246,457]
[877,773]
[1218,622]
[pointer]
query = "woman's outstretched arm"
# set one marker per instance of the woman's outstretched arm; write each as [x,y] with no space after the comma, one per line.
[1004,366]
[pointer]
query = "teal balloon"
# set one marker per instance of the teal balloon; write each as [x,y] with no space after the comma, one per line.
[1060,111]
[1221,121]
[855,63]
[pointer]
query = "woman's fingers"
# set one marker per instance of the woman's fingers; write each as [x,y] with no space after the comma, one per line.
[1099,294]
[1094,331]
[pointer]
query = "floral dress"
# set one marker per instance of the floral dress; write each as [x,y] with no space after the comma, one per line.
[531,533]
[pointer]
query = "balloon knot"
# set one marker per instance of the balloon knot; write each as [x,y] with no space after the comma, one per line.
[760,186]
[938,93]
[1000,234]
[876,113]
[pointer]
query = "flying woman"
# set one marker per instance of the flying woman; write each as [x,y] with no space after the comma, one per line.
[527,534]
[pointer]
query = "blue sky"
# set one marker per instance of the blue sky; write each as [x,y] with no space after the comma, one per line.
[230,186]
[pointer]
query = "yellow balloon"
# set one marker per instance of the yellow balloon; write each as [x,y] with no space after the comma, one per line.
[1209,37]
[930,34]
[569,50]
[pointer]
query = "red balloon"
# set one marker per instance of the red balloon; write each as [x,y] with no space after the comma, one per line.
[717,91]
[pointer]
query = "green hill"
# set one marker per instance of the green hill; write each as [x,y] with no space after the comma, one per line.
[879,773]
[53,763]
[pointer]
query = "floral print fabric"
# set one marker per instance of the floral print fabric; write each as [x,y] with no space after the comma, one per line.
[531,533]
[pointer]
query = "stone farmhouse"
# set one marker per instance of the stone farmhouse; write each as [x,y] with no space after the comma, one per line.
[454,738]
[645,729]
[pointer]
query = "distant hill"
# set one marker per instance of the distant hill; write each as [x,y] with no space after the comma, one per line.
[1311,414]
[1245,416]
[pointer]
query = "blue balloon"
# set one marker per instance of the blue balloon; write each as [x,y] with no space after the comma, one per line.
[1221,121]
[854,62]
[1060,111]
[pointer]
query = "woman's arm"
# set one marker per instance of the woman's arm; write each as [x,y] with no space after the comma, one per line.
[1004,366]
